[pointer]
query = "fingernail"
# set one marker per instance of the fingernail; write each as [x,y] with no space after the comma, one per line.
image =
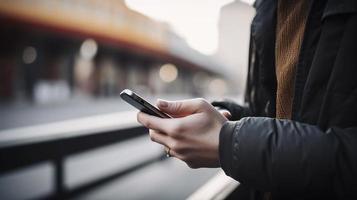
[162,103]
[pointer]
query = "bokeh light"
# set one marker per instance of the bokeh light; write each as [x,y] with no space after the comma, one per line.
[168,73]
[88,49]
[218,86]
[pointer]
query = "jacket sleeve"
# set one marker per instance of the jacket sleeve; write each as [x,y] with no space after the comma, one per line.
[283,155]
[237,111]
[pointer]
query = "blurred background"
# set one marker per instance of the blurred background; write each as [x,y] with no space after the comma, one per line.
[65,132]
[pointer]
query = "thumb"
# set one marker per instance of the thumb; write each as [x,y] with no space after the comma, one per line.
[179,108]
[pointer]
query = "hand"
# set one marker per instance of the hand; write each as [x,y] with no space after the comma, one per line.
[192,134]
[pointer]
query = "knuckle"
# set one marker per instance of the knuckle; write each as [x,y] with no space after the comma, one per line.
[177,128]
[201,102]
[177,106]
[144,122]
[148,124]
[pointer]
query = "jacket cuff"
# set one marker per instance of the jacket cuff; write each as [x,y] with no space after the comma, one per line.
[236,110]
[225,146]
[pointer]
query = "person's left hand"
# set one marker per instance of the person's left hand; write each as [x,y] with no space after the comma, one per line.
[192,135]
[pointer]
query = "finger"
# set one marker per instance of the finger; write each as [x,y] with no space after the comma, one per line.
[166,141]
[160,138]
[155,123]
[181,108]
[150,122]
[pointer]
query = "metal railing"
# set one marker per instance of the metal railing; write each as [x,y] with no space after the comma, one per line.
[59,141]
[54,142]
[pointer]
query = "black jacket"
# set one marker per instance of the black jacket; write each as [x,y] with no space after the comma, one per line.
[314,155]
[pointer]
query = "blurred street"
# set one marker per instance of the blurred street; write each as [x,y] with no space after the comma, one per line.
[64,131]
[25,114]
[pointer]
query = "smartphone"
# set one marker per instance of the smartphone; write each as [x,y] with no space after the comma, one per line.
[139,103]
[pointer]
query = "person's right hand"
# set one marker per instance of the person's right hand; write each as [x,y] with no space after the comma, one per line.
[192,135]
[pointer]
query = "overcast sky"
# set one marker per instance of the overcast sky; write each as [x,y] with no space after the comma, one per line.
[195,20]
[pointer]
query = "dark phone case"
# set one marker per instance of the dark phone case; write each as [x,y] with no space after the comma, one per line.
[142,105]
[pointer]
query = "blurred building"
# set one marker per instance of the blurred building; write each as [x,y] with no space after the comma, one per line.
[61,135]
[54,50]
[233,47]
